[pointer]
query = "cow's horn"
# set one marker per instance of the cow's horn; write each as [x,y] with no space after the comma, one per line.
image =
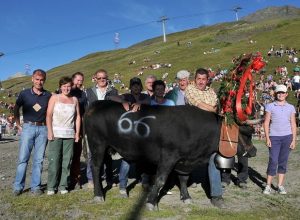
[253,121]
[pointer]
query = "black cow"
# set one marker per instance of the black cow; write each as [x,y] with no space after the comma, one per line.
[173,138]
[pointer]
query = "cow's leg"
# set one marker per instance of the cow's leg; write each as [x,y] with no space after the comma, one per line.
[98,187]
[97,149]
[163,171]
[184,193]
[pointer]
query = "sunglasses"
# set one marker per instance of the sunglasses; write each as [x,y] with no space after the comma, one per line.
[280,92]
[100,78]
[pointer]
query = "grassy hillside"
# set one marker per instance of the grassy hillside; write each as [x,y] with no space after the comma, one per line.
[230,39]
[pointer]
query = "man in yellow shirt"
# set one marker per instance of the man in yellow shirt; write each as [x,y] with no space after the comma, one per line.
[202,96]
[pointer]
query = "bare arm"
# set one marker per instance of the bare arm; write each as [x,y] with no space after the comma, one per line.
[49,117]
[294,131]
[17,116]
[206,107]
[77,123]
[267,127]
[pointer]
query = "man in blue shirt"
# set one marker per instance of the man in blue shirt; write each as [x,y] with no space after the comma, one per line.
[34,103]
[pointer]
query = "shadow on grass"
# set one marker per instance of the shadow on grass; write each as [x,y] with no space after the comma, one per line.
[5,140]
[257,178]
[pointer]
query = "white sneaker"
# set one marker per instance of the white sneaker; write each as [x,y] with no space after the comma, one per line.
[267,190]
[123,193]
[63,191]
[281,190]
[169,192]
[50,192]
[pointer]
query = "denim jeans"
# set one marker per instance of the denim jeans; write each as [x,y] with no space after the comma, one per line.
[32,137]
[214,176]
[123,175]
[89,174]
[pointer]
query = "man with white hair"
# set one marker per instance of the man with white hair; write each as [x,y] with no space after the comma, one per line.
[177,94]
[148,84]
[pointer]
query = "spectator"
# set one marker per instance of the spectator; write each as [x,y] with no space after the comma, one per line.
[158,94]
[177,93]
[63,123]
[34,103]
[280,132]
[296,80]
[148,84]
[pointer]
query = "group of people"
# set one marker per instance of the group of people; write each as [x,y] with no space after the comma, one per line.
[56,120]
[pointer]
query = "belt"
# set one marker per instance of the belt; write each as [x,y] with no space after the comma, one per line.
[36,123]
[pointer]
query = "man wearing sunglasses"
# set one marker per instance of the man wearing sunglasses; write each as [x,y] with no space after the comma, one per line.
[101,91]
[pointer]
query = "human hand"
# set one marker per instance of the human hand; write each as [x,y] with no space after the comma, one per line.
[19,129]
[268,142]
[76,138]
[135,107]
[50,136]
[126,106]
[293,145]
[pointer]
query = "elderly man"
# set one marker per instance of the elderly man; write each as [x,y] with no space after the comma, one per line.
[204,97]
[101,91]
[177,94]
[148,84]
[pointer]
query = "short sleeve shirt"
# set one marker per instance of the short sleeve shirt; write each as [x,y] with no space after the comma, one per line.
[34,106]
[280,118]
[195,95]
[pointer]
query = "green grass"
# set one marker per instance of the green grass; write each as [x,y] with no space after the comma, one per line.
[242,205]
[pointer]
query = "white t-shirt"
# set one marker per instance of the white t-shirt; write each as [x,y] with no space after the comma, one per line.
[296,79]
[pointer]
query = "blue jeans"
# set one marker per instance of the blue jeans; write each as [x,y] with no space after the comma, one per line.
[214,176]
[89,174]
[32,137]
[123,175]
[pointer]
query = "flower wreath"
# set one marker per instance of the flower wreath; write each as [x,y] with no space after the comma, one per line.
[233,103]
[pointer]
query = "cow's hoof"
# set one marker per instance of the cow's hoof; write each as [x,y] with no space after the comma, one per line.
[98,199]
[188,201]
[150,207]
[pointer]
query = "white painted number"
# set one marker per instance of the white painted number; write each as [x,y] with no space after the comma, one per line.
[133,125]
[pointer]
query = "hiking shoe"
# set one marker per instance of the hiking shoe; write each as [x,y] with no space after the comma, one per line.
[50,192]
[64,191]
[281,190]
[37,192]
[17,192]
[267,190]
[218,202]
[123,193]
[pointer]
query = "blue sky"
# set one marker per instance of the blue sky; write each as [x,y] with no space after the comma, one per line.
[45,34]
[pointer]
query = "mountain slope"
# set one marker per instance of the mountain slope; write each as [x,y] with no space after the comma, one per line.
[211,47]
